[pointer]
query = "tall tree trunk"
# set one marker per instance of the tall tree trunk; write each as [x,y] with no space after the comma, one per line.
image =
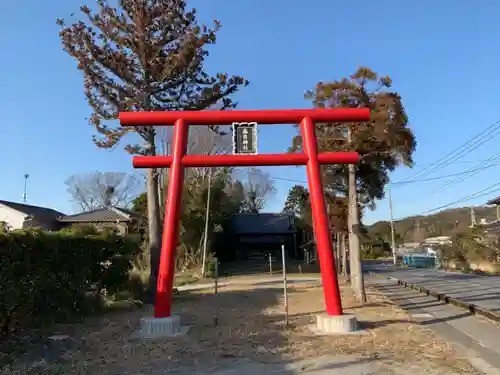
[164,150]
[343,249]
[154,226]
[336,252]
[161,192]
[357,277]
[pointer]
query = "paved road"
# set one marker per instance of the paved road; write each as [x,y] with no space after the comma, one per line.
[482,291]
[478,339]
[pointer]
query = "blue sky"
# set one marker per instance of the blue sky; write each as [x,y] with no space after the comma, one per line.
[444,61]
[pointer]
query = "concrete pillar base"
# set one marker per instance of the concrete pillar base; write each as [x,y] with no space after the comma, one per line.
[343,324]
[151,328]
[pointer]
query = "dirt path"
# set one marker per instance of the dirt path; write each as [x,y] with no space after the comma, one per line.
[250,328]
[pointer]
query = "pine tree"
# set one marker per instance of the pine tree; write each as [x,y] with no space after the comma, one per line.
[384,143]
[144,55]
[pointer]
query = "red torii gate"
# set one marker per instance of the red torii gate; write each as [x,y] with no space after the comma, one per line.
[179,160]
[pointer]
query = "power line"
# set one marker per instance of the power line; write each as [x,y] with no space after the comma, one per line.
[492,128]
[288,180]
[477,194]
[463,199]
[450,158]
[444,176]
[454,162]
[470,145]
[409,181]
[493,161]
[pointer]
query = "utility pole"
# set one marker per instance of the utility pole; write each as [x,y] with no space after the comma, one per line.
[393,240]
[357,277]
[207,218]
[472,217]
[417,236]
[343,245]
[332,234]
[161,173]
[26,176]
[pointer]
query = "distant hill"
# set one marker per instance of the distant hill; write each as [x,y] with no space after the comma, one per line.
[443,223]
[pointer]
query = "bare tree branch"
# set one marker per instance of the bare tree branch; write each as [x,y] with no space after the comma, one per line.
[257,187]
[202,141]
[102,189]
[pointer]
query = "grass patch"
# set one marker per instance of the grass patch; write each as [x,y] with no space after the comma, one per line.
[122,305]
[185,279]
[190,277]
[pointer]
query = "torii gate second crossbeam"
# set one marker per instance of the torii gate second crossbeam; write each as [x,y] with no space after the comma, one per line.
[307,118]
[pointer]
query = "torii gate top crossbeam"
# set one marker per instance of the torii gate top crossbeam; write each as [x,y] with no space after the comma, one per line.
[262,117]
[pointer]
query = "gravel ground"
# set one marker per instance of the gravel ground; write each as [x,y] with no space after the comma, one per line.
[250,329]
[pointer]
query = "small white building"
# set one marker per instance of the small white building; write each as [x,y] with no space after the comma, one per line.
[17,215]
[23,216]
[440,240]
[410,245]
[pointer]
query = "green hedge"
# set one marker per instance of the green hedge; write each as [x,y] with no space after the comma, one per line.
[45,277]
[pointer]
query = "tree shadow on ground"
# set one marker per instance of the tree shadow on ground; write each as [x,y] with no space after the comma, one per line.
[232,328]
[399,294]
[421,305]
[404,302]
[457,290]
[247,268]
[364,325]
[35,342]
[370,304]
[481,297]
[431,274]
[444,319]
[265,331]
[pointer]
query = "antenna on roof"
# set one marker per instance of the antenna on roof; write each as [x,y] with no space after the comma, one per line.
[26,176]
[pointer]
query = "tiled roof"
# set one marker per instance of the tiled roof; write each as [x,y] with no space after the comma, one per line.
[101,215]
[263,223]
[495,201]
[35,211]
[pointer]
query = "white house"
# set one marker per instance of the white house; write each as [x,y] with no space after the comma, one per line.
[22,216]
[440,240]
[17,215]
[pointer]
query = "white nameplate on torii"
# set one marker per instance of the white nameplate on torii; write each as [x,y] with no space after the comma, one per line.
[244,138]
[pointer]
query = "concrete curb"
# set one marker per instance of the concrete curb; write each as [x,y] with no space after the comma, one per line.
[473,309]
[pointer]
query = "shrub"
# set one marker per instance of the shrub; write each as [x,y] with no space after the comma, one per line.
[375,252]
[210,267]
[46,277]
